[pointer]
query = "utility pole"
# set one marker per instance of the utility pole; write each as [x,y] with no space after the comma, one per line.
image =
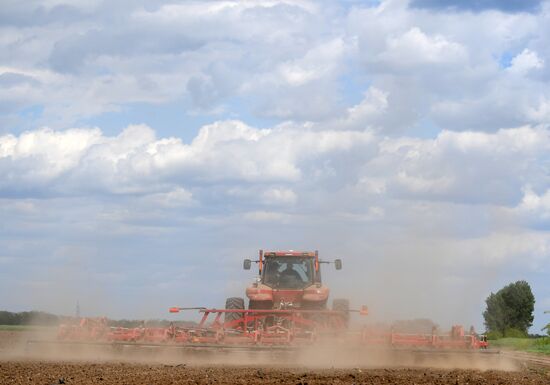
[77,309]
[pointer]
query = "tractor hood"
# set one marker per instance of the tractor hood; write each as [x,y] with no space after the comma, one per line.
[311,293]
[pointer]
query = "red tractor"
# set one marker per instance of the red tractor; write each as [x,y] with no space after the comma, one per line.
[288,280]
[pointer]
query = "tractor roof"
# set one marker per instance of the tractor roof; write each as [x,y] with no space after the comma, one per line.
[289,253]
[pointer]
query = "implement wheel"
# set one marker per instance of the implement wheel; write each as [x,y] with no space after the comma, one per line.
[234,303]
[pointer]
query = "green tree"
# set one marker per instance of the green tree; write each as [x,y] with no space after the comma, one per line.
[510,308]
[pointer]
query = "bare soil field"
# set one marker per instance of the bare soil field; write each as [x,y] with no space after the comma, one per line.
[128,373]
[19,366]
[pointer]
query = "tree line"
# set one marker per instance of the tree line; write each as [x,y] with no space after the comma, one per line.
[40,318]
[28,318]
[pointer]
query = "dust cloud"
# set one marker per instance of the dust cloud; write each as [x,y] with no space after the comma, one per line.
[40,345]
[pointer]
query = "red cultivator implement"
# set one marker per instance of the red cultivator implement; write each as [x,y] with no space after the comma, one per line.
[268,329]
[97,330]
[456,339]
[218,328]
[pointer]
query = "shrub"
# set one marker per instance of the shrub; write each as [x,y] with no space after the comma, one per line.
[493,335]
[515,333]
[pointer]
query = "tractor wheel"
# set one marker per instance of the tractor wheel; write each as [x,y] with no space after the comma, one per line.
[341,304]
[233,303]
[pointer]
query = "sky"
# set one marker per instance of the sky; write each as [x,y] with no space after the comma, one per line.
[148,147]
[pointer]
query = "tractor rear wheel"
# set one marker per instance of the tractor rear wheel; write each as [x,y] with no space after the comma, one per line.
[234,303]
[342,305]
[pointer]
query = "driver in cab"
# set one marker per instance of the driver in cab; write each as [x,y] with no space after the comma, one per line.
[289,275]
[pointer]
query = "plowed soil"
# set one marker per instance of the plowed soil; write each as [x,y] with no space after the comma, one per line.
[126,373]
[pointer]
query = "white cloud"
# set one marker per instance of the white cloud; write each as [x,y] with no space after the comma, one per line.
[418,184]
[522,139]
[279,195]
[81,4]
[521,247]
[177,197]
[526,61]
[231,153]
[197,9]
[540,113]
[533,202]
[49,152]
[372,185]
[372,214]
[535,206]
[320,62]
[414,47]
[448,167]
[217,133]
[368,112]
[135,161]
[267,216]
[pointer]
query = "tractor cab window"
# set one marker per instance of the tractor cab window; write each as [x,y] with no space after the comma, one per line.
[288,273]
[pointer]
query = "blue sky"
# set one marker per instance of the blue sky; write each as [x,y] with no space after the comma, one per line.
[147,147]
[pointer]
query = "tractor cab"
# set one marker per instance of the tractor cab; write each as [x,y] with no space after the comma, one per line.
[289,272]
[288,279]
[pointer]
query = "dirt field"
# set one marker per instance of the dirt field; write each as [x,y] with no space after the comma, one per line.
[126,373]
[18,366]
